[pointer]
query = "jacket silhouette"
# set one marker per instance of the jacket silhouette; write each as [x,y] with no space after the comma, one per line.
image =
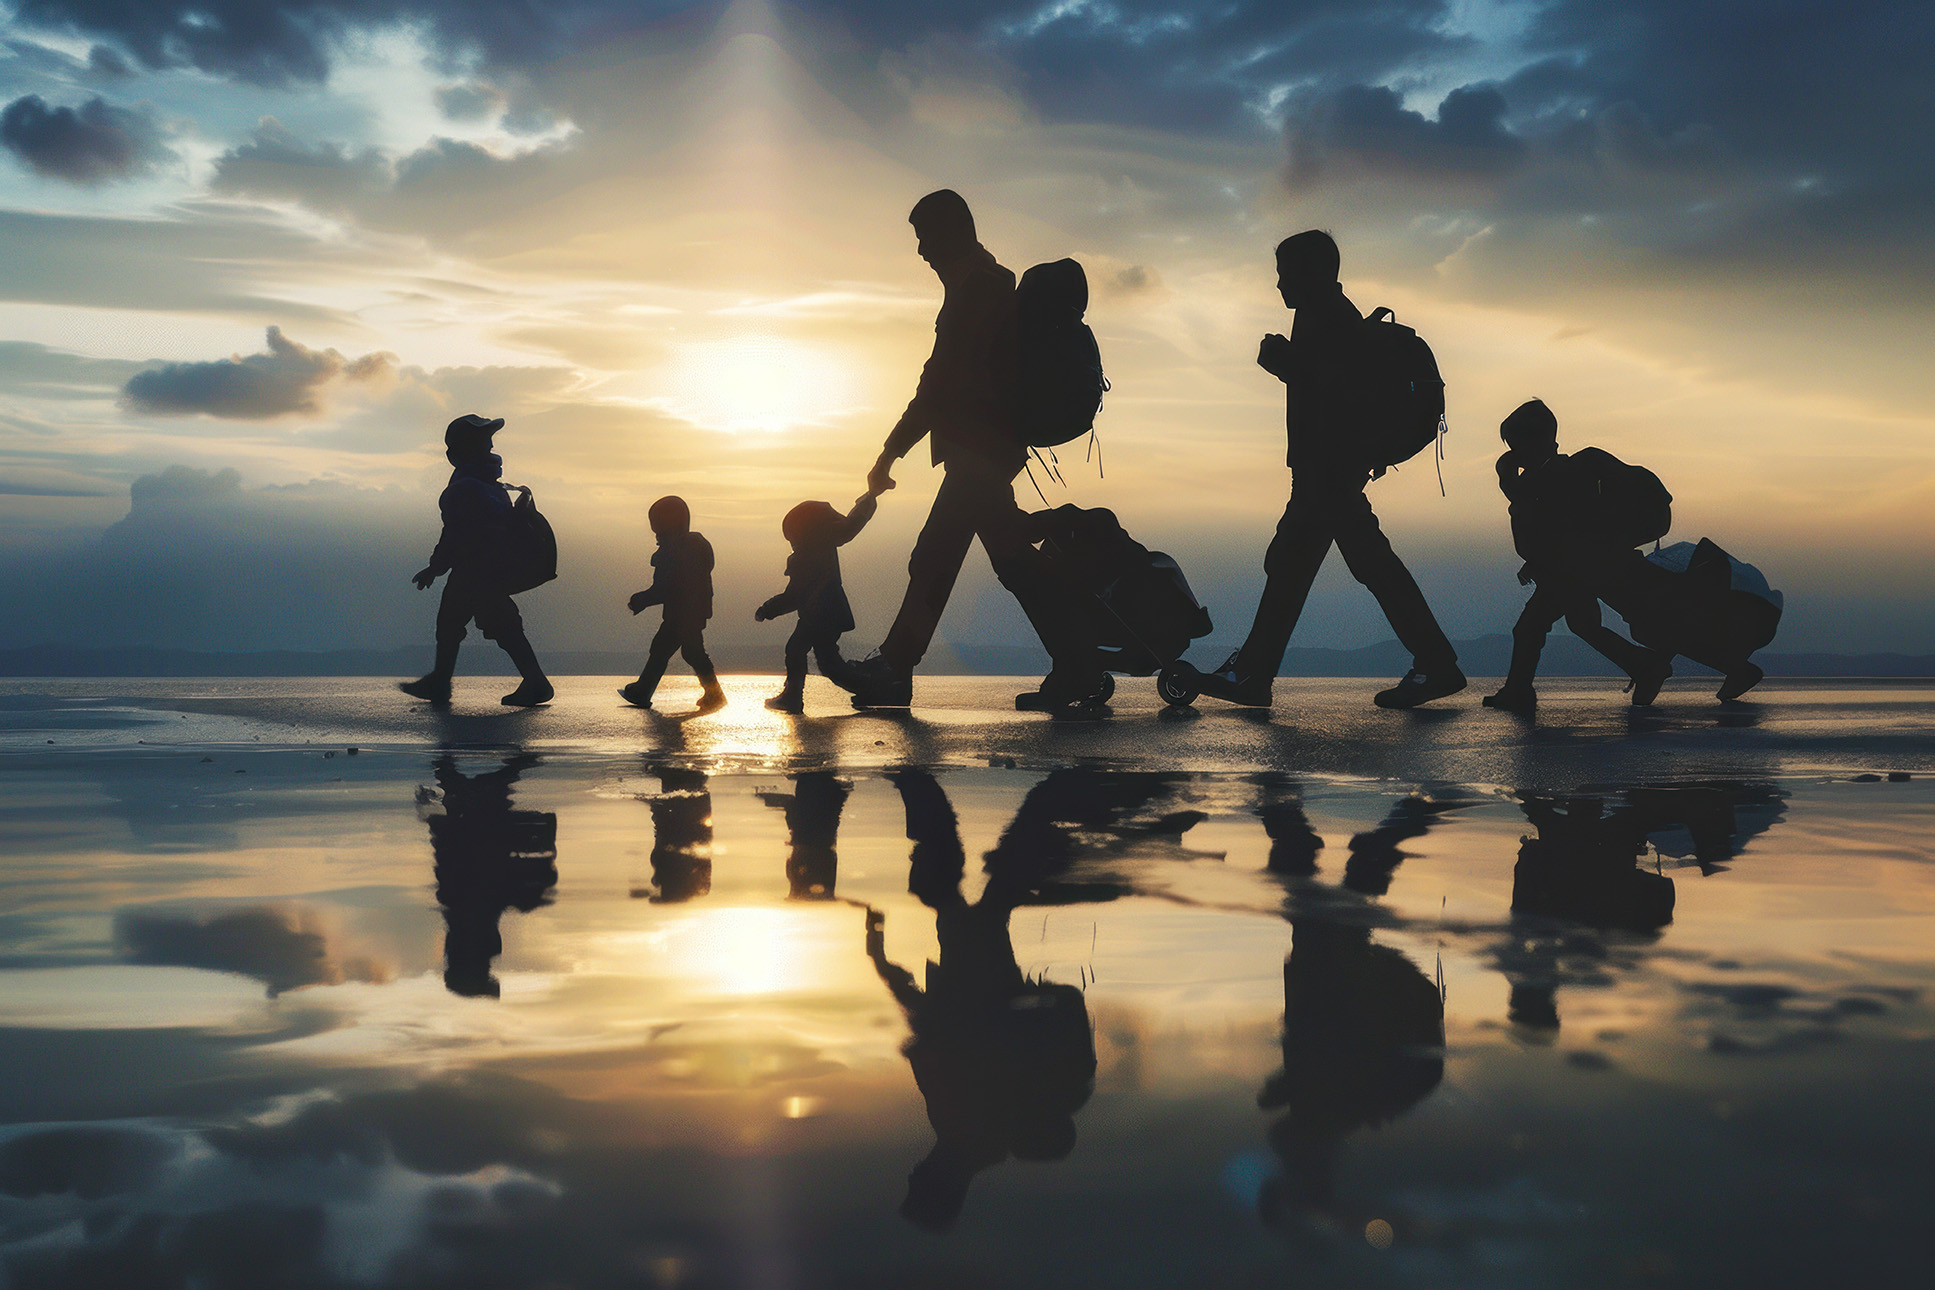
[682,583]
[474,550]
[1570,560]
[964,406]
[1321,366]
[815,592]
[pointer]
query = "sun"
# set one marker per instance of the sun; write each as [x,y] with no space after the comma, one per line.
[758,382]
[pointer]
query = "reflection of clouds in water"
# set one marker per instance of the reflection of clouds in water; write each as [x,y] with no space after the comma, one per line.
[283,946]
[316,1190]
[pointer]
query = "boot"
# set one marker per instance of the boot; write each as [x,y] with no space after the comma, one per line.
[791,697]
[711,696]
[434,685]
[1648,679]
[536,688]
[639,693]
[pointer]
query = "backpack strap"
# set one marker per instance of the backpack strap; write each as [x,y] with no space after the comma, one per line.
[1382,313]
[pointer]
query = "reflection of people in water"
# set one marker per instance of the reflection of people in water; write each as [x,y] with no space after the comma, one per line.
[1002,1061]
[1580,903]
[1363,1028]
[681,836]
[812,827]
[489,858]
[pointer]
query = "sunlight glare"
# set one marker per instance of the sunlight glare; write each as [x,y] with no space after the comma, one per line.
[750,950]
[758,382]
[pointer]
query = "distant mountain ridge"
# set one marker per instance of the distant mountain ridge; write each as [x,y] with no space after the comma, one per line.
[1483,656]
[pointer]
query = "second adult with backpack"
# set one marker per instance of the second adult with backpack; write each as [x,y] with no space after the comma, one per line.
[1338,414]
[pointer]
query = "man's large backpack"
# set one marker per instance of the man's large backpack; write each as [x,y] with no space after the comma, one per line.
[1061,383]
[1404,397]
[1628,505]
[531,554]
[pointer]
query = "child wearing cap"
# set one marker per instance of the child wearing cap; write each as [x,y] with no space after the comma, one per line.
[682,582]
[474,549]
[814,591]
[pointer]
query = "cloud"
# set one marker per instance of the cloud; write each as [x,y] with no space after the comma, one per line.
[1367,126]
[289,378]
[275,164]
[95,143]
[284,42]
[470,101]
[284,949]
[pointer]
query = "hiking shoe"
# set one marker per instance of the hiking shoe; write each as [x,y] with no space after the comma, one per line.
[534,692]
[712,698]
[1646,683]
[787,701]
[1232,686]
[636,695]
[1420,686]
[876,683]
[431,689]
[1064,688]
[1739,681]
[1516,698]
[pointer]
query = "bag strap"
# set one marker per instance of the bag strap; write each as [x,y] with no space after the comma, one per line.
[1382,313]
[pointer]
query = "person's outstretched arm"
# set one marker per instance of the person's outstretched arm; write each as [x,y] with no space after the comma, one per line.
[784,603]
[898,980]
[856,519]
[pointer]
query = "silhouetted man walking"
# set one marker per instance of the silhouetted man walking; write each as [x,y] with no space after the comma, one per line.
[965,406]
[1322,365]
[474,549]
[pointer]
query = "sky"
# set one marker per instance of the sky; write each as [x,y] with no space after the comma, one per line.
[257,253]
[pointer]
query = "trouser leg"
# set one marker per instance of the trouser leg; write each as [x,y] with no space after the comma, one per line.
[1290,566]
[931,571]
[1054,609]
[1528,637]
[826,650]
[692,649]
[454,609]
[1582,619]
[1372,562]
[664,644]
[498,620]
[798,646]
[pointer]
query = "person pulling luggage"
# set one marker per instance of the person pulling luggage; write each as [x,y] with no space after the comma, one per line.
[1576,521]
[965,406]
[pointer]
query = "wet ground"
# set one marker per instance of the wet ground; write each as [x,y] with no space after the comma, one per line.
[303,985]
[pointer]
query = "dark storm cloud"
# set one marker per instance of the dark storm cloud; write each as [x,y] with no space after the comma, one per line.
[94,143]
[1187,63]
[1369,126]
[278,42]
[288,378]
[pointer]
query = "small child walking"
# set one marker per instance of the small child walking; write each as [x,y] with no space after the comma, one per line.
[813,590]
[682,582]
